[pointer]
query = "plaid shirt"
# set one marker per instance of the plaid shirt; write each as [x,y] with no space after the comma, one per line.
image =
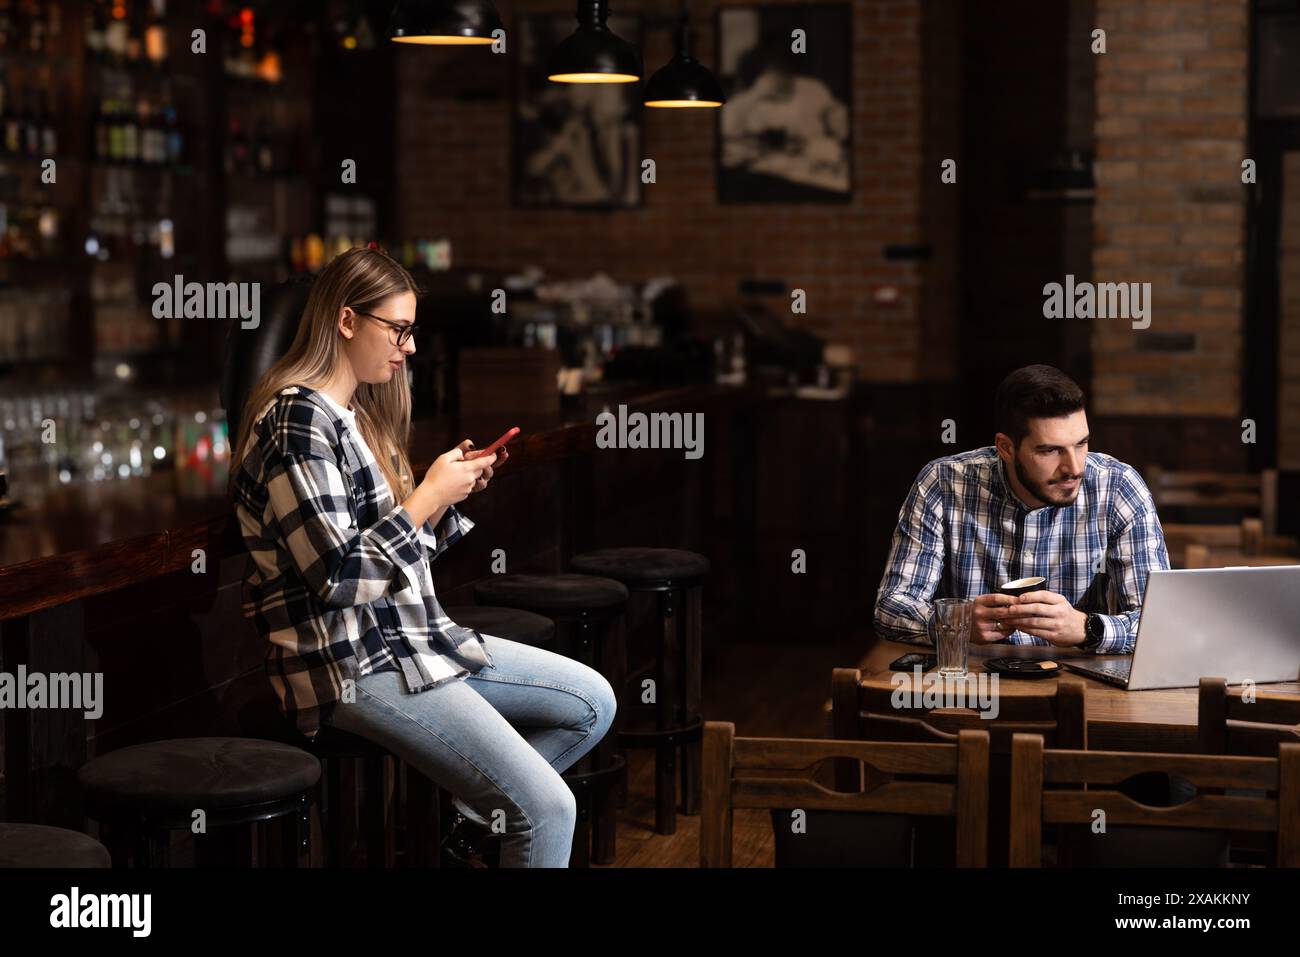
[962,532]
[338,580]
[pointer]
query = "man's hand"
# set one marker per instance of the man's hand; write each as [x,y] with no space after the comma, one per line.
[990,621]
[1047,615]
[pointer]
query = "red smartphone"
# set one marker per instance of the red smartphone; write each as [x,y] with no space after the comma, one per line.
[492,449]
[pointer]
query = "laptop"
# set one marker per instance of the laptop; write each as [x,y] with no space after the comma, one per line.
[1235,623]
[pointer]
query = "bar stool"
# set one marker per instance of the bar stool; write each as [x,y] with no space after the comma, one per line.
[677,577]
[362,798]
[515,624]
[588,610]
[38,845]
[148,789]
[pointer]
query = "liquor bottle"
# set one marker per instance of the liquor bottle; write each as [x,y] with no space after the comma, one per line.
[49,136]
[155,35]
[4,111]
[130,133]
[37,26]
[101,131]
[175,139]
[117,32]
[13,131]
[265,154]
[95,23]
[31,127]
[145,116]
[134,37]
[35,39]
[116,131]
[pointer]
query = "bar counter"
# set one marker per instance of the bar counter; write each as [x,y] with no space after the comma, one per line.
[90,538]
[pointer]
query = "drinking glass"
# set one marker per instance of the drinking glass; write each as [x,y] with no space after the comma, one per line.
[950,632]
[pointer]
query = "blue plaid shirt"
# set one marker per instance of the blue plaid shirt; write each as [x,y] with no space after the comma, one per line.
[962,532]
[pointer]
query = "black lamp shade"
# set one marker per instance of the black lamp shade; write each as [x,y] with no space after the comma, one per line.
[683,82]
[593,54]
[443,22]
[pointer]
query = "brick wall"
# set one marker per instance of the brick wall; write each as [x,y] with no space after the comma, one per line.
[1170,208]
[454,175]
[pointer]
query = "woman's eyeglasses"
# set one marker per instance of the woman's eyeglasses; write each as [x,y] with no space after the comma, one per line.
[404,329]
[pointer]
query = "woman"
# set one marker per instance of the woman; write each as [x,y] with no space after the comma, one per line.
[339,580]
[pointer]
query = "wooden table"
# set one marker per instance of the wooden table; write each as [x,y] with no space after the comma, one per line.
[1118,720]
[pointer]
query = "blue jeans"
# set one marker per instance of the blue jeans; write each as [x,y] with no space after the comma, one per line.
[497,740]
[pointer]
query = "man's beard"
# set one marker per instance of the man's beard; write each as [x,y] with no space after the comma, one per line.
[1045,493]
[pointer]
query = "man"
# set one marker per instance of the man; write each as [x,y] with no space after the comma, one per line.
[1036,503]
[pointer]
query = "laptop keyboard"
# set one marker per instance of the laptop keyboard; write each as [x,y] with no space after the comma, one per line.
[1116,672]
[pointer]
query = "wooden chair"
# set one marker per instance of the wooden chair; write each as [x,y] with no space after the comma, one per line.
[865,711]
[1034,767]
[941,780]
[1228,725]
[1217,492]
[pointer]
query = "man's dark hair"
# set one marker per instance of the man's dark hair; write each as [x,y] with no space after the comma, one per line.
[1034,392]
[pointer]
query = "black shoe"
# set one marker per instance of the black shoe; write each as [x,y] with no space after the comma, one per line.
[461,846]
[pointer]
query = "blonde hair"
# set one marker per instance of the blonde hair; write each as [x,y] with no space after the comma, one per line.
[360,278]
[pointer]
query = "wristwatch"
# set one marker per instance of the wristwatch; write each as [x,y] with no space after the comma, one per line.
[1094,630]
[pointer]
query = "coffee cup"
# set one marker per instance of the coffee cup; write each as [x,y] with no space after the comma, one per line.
[1022,585]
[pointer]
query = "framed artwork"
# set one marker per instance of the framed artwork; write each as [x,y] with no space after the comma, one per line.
[575,145]
[786,133]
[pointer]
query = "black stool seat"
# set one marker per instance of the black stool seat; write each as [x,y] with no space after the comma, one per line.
[643,566]
[515,624]
[185,773]
[36,845]
[557,594]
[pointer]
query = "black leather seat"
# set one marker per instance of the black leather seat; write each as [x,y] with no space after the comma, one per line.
[176,776]
[514,624]
[145,790]
[37,845]
[553,594]
[644,567]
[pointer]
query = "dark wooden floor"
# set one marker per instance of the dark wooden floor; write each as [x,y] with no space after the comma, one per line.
[766,689]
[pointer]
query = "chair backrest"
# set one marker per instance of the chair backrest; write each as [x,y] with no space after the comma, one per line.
[1217,491]
[1074,795]
[941,780]
[869,711]
[1255,724]
[251,352]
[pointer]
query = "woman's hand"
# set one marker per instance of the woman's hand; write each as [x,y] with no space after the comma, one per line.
[498,459]
[450,478]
